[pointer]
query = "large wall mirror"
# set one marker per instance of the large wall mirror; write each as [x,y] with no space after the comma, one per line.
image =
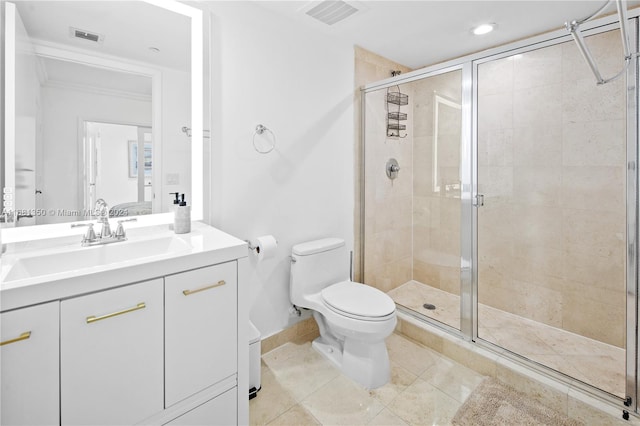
[103,100]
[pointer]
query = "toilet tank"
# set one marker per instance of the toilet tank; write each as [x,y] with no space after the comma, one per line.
[317,265]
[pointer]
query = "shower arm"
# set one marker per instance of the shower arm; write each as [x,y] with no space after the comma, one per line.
[574,28]
[594,14]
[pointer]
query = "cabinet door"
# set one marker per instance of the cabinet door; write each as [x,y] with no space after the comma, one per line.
[29,357]
[219,411]
[200,329]
[111,355]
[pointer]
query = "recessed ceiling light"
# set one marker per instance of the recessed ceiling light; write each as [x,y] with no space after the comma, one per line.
[483,29]
[154,49]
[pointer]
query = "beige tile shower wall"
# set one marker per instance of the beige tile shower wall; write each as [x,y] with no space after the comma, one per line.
[552,155]
[436,182]
[388,218]
[388,204]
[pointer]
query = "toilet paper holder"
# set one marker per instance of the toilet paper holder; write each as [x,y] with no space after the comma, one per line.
[251,246]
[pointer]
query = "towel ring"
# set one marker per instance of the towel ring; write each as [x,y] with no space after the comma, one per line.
[260,129]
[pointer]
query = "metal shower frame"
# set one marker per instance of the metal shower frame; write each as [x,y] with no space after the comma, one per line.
[574,28]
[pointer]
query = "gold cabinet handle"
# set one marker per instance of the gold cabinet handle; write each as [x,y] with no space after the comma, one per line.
[23,336]
[115,314]
[218,284]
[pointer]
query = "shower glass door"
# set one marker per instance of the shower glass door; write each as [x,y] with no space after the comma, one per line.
[412,219]
[552,233]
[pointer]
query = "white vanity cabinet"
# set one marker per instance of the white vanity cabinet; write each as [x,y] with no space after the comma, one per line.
[156,339]
[29,365]
[111,358]
[200,329]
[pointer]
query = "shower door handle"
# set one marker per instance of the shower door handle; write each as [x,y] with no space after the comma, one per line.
[478,200]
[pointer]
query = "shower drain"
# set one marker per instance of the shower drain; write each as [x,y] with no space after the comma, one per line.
[429,306]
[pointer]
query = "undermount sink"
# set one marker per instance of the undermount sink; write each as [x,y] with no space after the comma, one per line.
[88,257]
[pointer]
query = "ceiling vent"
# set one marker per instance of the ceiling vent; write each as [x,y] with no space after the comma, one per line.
[85,35]
[331,12]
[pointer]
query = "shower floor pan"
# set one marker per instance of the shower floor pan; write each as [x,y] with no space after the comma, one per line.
[588,360]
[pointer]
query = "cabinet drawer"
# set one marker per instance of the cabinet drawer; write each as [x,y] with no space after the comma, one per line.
[219,411]
[200,329]
[111,355]
[29,365]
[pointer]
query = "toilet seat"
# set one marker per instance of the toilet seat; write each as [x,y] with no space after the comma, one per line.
[358,301]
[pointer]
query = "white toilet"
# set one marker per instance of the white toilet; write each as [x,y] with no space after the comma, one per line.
[354,319]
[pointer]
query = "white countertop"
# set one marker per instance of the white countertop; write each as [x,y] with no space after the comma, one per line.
[203,246]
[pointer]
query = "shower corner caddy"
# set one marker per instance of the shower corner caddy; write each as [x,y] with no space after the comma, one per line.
[395,115]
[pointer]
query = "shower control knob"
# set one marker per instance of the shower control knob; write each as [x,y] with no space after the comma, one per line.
[392,168]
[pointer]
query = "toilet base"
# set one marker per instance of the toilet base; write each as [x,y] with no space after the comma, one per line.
[333,355]
[365,363]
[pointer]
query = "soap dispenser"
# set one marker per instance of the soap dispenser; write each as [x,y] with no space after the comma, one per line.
[176,202]
[182,217]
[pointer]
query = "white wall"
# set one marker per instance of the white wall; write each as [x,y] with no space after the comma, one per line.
[63,108]
[27,87]
[176,146]
[299,83]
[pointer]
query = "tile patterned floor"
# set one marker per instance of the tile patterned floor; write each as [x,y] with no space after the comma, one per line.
[585,359]
[300,387]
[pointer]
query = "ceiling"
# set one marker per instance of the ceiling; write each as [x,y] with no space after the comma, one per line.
[129,28]
[424,32]
[124,35]
[412,33]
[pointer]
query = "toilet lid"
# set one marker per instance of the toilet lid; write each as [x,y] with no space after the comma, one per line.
[358,299]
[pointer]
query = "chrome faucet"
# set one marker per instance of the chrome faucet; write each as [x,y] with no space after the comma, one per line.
[106,236]
[102,211]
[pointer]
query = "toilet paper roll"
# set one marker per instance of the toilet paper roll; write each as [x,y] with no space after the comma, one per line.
[265,247]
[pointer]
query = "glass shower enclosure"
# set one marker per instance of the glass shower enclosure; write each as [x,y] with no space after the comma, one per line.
[511,216]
